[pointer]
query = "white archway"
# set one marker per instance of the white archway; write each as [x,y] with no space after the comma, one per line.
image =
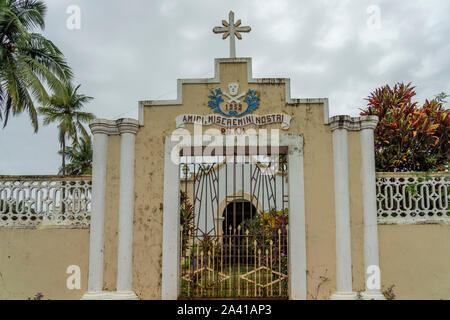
[171,226]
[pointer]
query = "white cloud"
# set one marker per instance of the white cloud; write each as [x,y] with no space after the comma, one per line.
[392,61]
[383,37]
[338,27]
[284,30]
[126,53]
[167,7]
[192,33]
[270,9]
[434,62]
[311,68]
[335,37]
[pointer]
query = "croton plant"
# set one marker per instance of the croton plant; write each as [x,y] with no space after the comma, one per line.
[409,137]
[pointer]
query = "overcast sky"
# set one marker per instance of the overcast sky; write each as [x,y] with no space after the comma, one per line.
[126,51]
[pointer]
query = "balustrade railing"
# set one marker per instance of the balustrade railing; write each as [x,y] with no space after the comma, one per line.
[29,201]
[413,197]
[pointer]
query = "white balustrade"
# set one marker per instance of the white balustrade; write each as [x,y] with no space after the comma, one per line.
[410,197]
[27,201]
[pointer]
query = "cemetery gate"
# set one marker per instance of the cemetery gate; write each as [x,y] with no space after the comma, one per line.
[234,226]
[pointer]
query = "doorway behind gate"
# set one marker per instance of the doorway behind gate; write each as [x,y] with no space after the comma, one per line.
[234,226]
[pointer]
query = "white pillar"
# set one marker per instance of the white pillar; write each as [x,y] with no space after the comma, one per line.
[171,221]
[100,129]
[297,230]
[128,129]
[371,257]
[344,289]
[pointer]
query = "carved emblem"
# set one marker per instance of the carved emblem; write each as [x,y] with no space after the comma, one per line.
[232,106]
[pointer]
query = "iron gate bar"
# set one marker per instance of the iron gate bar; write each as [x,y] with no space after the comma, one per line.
[234,262]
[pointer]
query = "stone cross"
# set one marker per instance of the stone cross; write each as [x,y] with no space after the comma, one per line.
[231,29]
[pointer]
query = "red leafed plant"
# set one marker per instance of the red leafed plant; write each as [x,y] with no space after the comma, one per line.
[408,137]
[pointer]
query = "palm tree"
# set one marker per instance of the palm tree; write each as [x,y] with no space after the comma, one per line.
[65,109]
[80,157]
[28,62]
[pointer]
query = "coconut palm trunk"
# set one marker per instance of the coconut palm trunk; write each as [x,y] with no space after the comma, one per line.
[64,108]
[63,194]
[64,156]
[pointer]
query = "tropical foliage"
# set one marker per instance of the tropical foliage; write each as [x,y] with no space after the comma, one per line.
[409,137]
[186,218]
[80,158]
[37,296]
[29,63]
[389,293]
[14,208]
[65,109]
[271,227]
[267,223]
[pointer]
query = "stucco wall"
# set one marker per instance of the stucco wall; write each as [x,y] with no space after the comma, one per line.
[307,119]
[416,259]
[33,260]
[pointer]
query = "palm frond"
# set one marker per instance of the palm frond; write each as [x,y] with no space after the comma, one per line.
[80,158]
[46,53]
[28,61]
[64,109]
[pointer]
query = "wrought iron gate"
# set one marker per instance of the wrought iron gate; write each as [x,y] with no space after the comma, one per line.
[234,227]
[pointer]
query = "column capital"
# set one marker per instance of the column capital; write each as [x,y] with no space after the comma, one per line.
[342,122]
[369,122]
[353,123]
[127,125]
[113,127]
[103,126]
